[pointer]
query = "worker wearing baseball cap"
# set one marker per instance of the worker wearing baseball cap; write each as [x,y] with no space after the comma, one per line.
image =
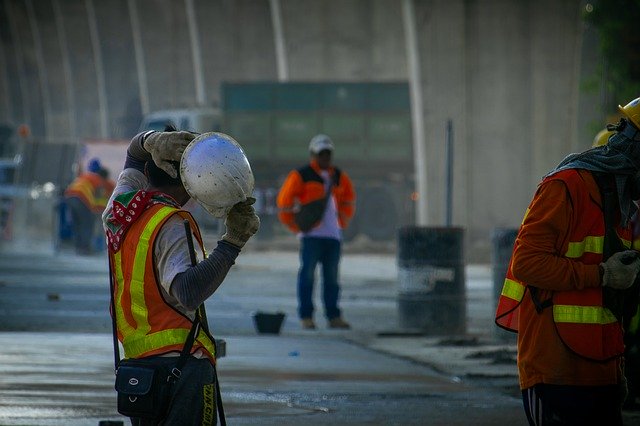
[316,201]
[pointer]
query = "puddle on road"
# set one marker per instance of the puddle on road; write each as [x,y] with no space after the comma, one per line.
[53,415]
[497,356]
[254,404]
[70,408]
[264,409]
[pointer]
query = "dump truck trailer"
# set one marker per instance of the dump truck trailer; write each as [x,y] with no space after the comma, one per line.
[370,124]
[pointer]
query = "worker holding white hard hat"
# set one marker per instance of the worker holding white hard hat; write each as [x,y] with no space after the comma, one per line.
[160,276]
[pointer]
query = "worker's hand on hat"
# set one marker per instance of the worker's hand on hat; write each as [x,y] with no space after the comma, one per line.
[621,269]
[241,223]
[167,146]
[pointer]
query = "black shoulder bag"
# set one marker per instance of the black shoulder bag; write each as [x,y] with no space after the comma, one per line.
[143,386]
[311,213]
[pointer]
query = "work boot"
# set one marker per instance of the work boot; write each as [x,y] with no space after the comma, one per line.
[308,324]
[338,322]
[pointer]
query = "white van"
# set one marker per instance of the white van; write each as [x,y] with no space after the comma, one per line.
[198,120]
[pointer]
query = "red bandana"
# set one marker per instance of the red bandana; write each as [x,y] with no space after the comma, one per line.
[127,208]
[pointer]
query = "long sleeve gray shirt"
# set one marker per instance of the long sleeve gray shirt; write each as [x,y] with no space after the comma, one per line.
[183,286]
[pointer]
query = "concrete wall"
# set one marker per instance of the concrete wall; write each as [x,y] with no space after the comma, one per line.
[507,73]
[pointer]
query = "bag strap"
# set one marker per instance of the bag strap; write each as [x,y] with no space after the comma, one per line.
[201,318]
[333,181]
[116,347]
[617,301]
[612,243]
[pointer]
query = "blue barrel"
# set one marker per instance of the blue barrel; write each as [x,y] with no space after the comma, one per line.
[431,278]
[65,222]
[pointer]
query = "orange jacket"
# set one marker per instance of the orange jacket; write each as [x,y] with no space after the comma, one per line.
[92,189]
[147,325]
[557,252]
[103,195]
[305,185]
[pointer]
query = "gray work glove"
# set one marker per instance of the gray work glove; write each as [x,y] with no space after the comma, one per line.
[241,223]
[620,269]
[167,146]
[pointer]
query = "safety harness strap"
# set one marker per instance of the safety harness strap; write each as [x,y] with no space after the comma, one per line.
[630,132]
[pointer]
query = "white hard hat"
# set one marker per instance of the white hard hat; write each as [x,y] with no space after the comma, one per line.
[320,143]
[216,173]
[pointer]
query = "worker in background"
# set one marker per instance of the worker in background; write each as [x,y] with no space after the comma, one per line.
[602,137]
[108,184]
[316,202]
[86,198]
[144,225]
[569,292]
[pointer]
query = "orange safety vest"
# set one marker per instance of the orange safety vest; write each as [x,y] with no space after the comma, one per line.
[89,187]
[583,323]
[305,185]
[103,193]
[147,324]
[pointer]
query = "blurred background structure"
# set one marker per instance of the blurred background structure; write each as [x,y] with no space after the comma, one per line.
[519,84]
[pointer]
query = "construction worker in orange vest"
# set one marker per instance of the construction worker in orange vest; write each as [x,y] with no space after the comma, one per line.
[157,289]
[602,137]
[86,198]
[108,184]
[317,201]
[569,289]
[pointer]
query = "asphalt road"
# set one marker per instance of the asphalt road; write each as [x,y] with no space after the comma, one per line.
[56,355]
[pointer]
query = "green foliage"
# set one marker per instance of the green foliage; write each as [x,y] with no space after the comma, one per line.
[618,26]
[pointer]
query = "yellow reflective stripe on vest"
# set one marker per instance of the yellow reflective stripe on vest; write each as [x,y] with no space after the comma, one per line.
[139,310]
[513,290]
[582,314]
[143,344]
[146,343]
[589,245]
[123,325]
[86,189]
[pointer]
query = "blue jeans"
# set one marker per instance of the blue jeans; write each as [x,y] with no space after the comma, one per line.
[84,224]
[327,252]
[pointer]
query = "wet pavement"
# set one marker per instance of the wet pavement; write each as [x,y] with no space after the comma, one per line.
[265,380]
[56,354]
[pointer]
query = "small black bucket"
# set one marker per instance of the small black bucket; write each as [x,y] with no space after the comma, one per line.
[268,323]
